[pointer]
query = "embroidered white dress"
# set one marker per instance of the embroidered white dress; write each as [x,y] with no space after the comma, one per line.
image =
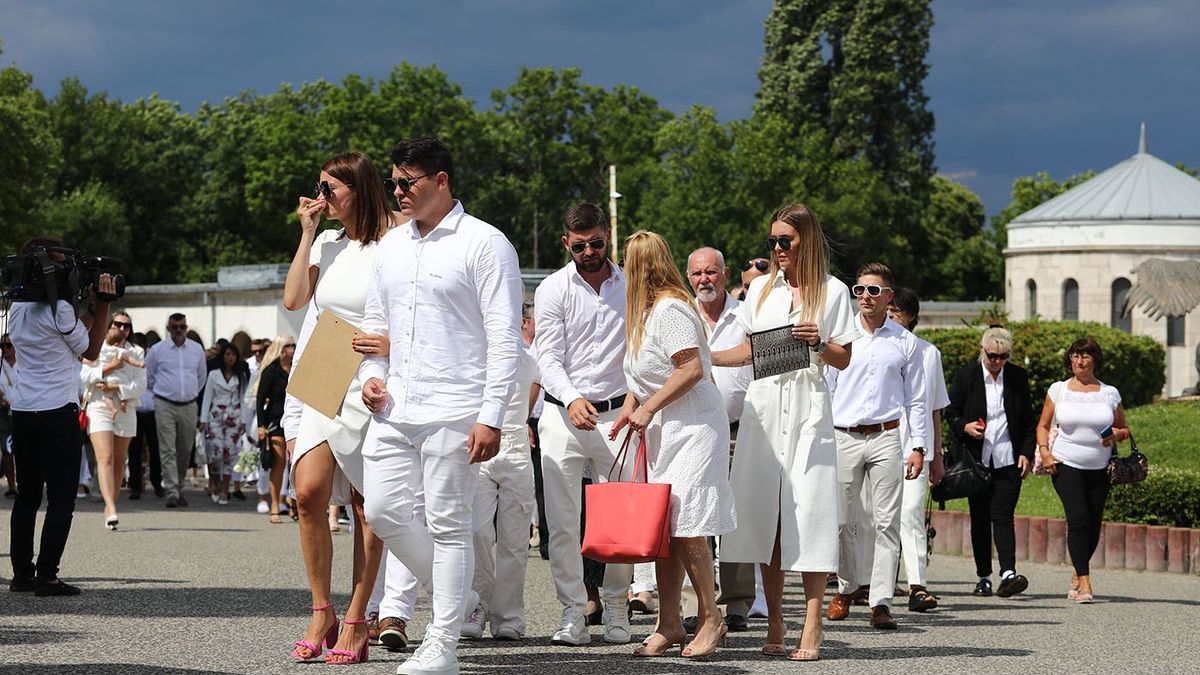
[687,442]
[785,465]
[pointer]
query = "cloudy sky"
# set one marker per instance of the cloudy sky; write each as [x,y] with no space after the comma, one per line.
[1017,86]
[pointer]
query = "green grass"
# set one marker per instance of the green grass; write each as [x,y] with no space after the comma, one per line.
[1165,432]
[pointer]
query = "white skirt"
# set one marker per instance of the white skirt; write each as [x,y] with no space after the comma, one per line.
[345,434]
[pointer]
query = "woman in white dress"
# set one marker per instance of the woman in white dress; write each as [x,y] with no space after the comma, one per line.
[221,420]
[784,472]
[674,404]
[329,273]
[112,385]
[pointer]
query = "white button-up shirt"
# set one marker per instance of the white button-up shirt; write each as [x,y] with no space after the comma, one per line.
[997,446]
[49,360]
[884,381]
[580,340]
[728,334]
[450,303]
[176,373]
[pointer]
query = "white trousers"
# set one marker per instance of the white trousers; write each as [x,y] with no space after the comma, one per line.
[914,545]
[504,501]
[565,450]
[874,459]
[645,579]
[395,592]
[399,462]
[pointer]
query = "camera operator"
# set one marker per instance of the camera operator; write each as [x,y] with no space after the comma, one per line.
[49,341]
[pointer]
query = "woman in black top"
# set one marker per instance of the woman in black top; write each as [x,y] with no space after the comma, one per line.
[271,390]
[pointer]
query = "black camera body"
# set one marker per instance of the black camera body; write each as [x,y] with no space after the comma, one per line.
[49,274]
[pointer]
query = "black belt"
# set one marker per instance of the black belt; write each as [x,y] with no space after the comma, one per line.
[600,406]
[164,398]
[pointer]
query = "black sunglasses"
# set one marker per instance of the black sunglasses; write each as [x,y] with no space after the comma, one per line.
[760,265]
[596,245]
[405,184]
[177,327]
[997,357]
[123,325]
[873,290]
[785,243]
[324,189]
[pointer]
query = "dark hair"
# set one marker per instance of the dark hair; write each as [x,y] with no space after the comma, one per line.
[906,301]
[240,369]
[371,209]
[427,154]
[1085,346]
[879,270]
[139,339]
[177,316]
[49,242]
[584,218]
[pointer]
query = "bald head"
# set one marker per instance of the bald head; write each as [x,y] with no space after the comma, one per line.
[707,275]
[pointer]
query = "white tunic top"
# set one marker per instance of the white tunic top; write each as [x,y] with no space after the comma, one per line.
[785,467]
[1081,416]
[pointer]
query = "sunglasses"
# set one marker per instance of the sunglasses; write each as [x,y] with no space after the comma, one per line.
[784,243]
[873,290]
[997,357]
[324,189]
[581,246]
[123,325]
[179,327]
[405,184]
[760,265]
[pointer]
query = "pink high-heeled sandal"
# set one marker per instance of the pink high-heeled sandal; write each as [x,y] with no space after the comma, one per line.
[351,657]
[314,651]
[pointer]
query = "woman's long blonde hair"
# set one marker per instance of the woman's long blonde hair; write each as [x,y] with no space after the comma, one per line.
[650,276]
[269,357]
[810,255]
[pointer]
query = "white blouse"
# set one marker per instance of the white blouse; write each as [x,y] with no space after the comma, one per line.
[1081,416]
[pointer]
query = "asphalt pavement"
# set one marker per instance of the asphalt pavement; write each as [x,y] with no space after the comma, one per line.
[212,589]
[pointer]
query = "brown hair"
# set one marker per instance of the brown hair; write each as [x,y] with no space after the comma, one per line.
[877,269]
[372,214]
[584,217]
[810,252]
[1088,346]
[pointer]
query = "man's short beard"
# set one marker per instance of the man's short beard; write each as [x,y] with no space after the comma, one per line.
[708,294]
[591,266]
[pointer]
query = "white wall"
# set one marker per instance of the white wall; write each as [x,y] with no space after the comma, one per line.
[216,314]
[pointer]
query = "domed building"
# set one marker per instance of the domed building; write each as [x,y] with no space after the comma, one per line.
[1074,257]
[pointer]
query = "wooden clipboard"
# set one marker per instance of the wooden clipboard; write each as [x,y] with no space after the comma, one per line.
[328,365]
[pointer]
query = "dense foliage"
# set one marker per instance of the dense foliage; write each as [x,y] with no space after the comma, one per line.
[1168,496]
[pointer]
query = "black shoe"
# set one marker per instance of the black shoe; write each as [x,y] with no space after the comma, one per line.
[21,585]
[53,587]
[736,623]
[1012,585]
[182,500]
[173,502]
[921,601]
[983,589]
[544,551]
[238,495]
[690,623]
[135,495]
[159,492]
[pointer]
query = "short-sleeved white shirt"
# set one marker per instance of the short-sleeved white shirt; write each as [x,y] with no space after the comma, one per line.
[1081,416]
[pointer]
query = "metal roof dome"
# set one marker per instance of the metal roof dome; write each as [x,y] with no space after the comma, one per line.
[1141,188]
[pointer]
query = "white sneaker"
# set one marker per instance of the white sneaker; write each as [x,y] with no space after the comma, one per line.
[431,658]
[263,507]
[573,630]
[507,633]
[616,622]
[472,628]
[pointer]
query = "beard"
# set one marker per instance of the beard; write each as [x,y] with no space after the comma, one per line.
[591,266]
[706,293]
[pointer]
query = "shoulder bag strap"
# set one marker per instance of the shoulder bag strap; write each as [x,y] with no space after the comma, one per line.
[621,456]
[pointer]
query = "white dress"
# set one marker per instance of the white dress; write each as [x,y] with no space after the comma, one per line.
[345,267]
[687,442]
[785,465]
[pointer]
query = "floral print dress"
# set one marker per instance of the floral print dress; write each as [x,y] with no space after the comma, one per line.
[221,410]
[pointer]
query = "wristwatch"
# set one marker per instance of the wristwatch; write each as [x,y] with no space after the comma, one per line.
[819,347]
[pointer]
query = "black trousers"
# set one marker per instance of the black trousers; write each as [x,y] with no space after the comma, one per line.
[46,446]
[1083,493]
[144,444]
[992,518]
[535,454]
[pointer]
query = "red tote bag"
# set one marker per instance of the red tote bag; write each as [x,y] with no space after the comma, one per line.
[628,522]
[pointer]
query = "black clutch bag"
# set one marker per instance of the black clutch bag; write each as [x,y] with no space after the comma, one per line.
[1129,469]
[964,477]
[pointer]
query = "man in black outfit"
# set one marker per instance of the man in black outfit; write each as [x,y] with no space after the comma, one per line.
[991,415]
[47,441]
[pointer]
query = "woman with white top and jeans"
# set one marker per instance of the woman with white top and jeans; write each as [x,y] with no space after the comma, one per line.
[1090,421]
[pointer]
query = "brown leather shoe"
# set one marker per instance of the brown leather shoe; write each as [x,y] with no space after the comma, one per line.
[839,607]
[373,628]
[392,633]
[862,596]
[881,618]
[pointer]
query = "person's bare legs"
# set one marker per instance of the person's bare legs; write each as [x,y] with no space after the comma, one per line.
[696,557]
[102,443]
[669,629]
[814,600]
[281,455]
[313,478]
[368,551]
[772,576]
[119,453]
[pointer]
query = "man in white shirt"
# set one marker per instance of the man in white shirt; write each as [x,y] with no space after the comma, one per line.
[49,341]
[884,381]
[446,288]
[580,345]
[175,374]
[708,276]
[905,310]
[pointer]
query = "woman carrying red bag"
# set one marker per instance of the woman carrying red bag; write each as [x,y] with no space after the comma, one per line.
[675,405]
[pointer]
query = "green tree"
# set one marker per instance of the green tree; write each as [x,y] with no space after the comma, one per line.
[963,259]
[30,158]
